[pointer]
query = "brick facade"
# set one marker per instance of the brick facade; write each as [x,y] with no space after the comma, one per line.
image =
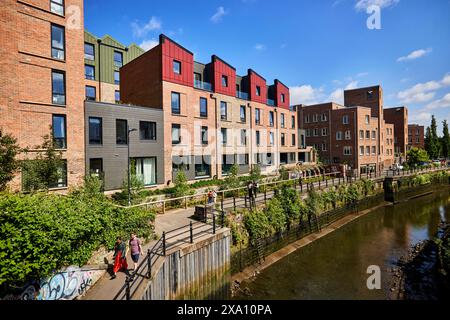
[416,136]
[399,118]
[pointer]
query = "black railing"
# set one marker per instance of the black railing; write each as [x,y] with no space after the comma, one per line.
[214,220]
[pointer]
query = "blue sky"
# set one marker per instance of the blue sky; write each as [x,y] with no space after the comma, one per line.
[317,48]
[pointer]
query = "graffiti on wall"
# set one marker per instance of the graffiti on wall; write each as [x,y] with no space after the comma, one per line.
[63,285]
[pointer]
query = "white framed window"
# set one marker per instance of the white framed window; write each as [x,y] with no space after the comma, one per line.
[361,134]
[316,132]
[324,117]
[348,135]
[368,134]
[339,135]
[345,119]
[324,132]
[315,118]
[307,119]
[324,147]
[367,119]
[374,150]
[374,135]
[361,150]
[368,151]
[347,151]
[308,132]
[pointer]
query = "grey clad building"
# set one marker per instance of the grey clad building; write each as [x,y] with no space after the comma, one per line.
[107,143]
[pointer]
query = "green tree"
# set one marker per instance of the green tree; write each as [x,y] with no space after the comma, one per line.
[255,173]
[291,203]
[8,162]
[276,215]
[45,169]
[416,156]
[232,180]
[432,144]
[284,173]
[182,187]
[445,140]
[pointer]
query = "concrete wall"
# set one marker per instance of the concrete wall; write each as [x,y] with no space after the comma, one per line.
[197,272]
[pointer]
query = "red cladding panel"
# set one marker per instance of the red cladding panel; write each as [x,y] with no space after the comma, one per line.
[279,90]
[170,52]
[220,69]
[256,80]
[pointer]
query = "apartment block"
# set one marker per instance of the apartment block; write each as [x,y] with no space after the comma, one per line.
[399,118]
[213,118]
[108,143]
[416,136]
[40,87]
[103,58]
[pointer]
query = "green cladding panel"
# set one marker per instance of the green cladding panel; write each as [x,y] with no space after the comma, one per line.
[104,55]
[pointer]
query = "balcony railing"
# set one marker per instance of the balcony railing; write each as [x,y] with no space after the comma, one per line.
[242,95]
[202,85]
[271,102]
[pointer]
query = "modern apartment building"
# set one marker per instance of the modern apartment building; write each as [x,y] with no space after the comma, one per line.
[107,143]
[213,118]
[41,70]
[399,117]
[103,58]
[351,134]
[416,136]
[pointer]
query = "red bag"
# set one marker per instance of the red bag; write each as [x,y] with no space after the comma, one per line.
[120,263]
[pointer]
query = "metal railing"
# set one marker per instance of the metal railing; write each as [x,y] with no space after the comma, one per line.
[242,95]
[271,102]
[214,221]
[202,85]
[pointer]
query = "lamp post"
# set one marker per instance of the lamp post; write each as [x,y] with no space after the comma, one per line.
[129,165]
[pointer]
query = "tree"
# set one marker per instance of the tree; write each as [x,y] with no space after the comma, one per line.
[445,140]
[182,188]
[8,162]
[232,180]
[255,173]
[432,144]
[284,173]
[45,169]
[416,156]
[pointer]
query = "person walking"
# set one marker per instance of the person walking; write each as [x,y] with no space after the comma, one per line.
[250,192]
[255,192]
[120,257]
[136,249]
[214,196]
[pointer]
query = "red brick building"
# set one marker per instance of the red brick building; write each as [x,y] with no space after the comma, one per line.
[399,117]
[41,82]
[416,136]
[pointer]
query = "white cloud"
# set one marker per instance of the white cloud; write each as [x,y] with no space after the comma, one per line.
[141,30]
[306,95]
[338,94]
[420,117]
[362,5]
[415,55]
[423,92]
[149,44]
[440,103]
[220,13]
[260,47]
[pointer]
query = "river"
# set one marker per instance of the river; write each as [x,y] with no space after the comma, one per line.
[335,267]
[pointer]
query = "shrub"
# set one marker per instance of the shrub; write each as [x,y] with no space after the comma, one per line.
[276,215]
[290,201]
[8,162]
[257,225]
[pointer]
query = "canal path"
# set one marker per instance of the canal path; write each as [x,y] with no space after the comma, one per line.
[335,266]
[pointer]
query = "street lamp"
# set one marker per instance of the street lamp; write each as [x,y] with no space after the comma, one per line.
[129,165]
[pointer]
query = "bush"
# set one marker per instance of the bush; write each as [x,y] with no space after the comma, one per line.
[257,225]
[8,162]
[41,233]
[276,215]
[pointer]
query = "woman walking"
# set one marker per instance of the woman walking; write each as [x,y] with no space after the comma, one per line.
[120,257]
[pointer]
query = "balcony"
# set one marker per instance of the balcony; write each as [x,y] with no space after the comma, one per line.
[271,102]
[242,95]
[202,85]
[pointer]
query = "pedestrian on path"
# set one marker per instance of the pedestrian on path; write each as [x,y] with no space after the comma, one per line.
[214,196]
[136,249]
[120,257]
[250,192]
[255,192]
[210,197]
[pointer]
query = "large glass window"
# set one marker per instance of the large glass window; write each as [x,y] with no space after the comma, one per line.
[283,139]
[271,119]
[176,134]
[202,167]
[117,96]
[223,111]
[224,132]
[89,72]
[258,91]
[59,131]
[258,116]
[57,6]
[95,131]
[203,108]
[146,170]
[243,137]
[243,114]
[58,42]
[116,77]
[96,166]
[91,94]
[147,130]
[176,67]
[121,132]
[89,51]
[258,138]
[272,139]
[293,122]
[176,108]
[59,87]
[204,135]
[118,59]
[283,121]
[224,81]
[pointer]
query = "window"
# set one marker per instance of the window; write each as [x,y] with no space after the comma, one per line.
[147,130]
[367,119]
[271,119]
[121,132]
[176,134]
[293,140]
[117,96]
[307,119]
[89,51]
[272,139]
[368,134]
[283,139]
[361,151]
[258,138]
[57,6]
[367,151]
[91,94]
[95,131]
[224,81]
[176,109]
[374,135]
[348,135]
[374,150]
[176,67]
[258,116]
[324,117]
[61,180]
[258,91]
[369,95]
[283,122]
[283,98]
[361,134]
[202,167]
[96,166]
[197,78]
[308,132]
[315,118]
[243,137]
[324,147]
[347,151]
[316,132]
[116,77]
[146,170]
[89,72]
[59,131]
[59,87]
[223,111]
[339,135]
[293,122]
[224,132]
[58,42]
[417,140]
[243,159]
[243,114]
[203,108]
[345,119]
[204,135]
[324,132]
[118,59]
